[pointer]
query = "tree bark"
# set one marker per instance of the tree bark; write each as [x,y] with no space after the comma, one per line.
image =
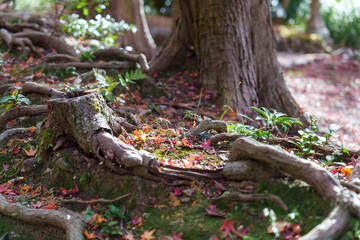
[235,53]
[132,12]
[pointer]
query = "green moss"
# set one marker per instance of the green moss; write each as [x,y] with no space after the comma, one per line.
[26,231]
[194,223]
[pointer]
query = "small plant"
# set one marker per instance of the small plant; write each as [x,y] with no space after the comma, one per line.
[109,223]
[276,118]
[14,100]
[109,83]
[87,56]
[248,130]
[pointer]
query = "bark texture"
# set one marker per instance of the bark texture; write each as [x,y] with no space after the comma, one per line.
[235,53]
[132,12]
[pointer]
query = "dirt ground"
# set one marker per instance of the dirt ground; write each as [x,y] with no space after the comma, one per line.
[328,87]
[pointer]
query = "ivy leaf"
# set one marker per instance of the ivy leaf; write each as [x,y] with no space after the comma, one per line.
[227,227]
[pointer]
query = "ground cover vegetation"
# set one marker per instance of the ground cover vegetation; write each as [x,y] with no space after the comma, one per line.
[142,142]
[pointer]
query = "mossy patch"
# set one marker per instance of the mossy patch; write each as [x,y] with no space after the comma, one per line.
[191,219]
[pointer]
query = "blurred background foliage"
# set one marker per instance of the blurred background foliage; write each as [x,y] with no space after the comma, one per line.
[342,17]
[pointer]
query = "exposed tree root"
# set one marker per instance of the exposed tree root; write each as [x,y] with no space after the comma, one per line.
[61,57]
[100,200]
[29,111]
[86,65]
[320,179]
[12,41]
[11,132]
[31,87]
[70,223]
[224,137]
[114,52]
[218,126]
[47,41]
[236,196]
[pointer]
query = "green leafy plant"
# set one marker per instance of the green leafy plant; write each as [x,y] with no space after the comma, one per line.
[87,56]
[248,130]
[310,136]
[14,100]
[276,118]
[111,226]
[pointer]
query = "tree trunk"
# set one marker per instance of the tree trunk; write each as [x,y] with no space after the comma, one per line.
[235,53]
[316,24]
[132,12]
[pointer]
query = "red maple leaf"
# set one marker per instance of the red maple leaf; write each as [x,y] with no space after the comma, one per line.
[4,189]
[178,191]
[74,190]
[227,227]
[177,236]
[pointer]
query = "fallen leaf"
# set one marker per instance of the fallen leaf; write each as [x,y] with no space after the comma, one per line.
[30,153]
[51,206]
[148,235]
[227,227]
[178,191]
[26,188]
[32,129]
[5,167]
[176,236]
[214,213]
[16,150]
[89,235]
[137,221]
[75,189]
[173,200]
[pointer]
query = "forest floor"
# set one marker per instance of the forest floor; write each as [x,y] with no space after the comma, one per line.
[328,87]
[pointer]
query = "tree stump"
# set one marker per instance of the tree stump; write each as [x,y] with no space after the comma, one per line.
[88,121]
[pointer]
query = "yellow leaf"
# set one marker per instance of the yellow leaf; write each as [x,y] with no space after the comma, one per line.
[26,188]
[173,200]
[100,219]
[148,235]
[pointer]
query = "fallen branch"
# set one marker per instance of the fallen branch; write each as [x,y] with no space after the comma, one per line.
[29,111]
[100,200]
[236,196]
[70,223]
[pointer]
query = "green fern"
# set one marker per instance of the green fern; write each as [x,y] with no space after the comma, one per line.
[131,77]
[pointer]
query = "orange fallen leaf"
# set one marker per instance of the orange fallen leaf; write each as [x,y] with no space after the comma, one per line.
[89,235]
[31,152]
[148,235]
[51,206]
[26,188]
[32,129]
[173,200]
